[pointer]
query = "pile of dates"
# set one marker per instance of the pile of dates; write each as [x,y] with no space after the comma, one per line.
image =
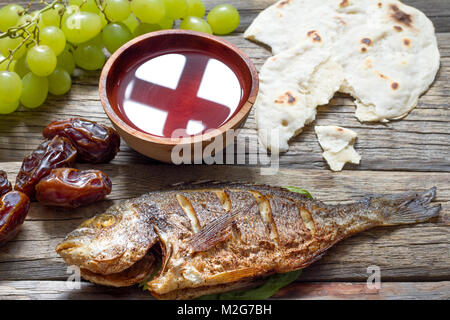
[47,173]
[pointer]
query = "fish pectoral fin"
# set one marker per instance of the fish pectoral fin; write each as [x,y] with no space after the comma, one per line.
[215,232]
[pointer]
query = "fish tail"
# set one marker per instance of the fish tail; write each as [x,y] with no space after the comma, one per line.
[406,208]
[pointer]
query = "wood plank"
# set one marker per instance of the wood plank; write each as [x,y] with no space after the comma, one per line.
[419,142]
[401,256]
[437,10]
[359,291]
[32,290]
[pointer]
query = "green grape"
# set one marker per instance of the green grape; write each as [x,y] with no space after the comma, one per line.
[166,23]
[52,17]
[223,19]
[10,86]
[54,38]
[82,26]
[149,11]
[98,40]
[66,61]
[86,5]
[144,28]
[70,10]
[9,16]
[196,8]
[103,19]
[41,60]
[59,82]
[115,35]
[176,9]
[34,90]
[8,107]
[131,22]
[195,24]
[21,67]
[117,10]
[8,43]
[89,57]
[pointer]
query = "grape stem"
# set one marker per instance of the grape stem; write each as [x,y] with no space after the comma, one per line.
[102,7]
[20,31]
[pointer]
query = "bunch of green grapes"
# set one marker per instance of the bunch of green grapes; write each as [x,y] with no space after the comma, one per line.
[40,50]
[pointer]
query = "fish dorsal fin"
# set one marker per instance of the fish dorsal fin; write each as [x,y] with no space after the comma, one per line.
[216,231]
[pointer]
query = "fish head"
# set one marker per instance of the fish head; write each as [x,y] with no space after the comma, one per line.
[111,242]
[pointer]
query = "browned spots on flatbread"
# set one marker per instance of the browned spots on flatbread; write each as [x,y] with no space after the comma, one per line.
[394,85]
[341,21]
[291,98]
[398,28]
[382,76]
[368,64]
[363,49]
[343,3]
[340,129]
[380,5]
[284,123]
[288,97]
[406,42]
[315,35]
[283,3]
[366,41]
[400,16]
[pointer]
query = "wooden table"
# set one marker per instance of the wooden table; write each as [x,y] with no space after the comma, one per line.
[412,154]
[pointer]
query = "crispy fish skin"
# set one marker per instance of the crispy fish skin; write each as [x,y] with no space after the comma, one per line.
[218,237]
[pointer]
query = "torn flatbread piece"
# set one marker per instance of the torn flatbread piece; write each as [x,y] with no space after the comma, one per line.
[388,50]
[292,85]
[337,144]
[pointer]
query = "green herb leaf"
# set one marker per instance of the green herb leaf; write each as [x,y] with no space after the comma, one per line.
[300,190]
[265,291]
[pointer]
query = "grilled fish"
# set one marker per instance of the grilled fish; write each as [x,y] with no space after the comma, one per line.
[213,238]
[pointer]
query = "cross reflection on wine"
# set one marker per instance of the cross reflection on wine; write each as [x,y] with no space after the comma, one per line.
[186,93]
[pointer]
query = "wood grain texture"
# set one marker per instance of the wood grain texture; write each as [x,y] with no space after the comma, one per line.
[412,154]
[409,253]
[32,290]
[419,142]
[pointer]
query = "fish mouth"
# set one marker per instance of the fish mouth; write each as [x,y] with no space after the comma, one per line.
[142,272]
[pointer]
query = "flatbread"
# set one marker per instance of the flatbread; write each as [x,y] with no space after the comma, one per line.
[337,143]
[292,85]
[388,50]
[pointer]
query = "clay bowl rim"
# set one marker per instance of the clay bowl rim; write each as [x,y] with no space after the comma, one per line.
[233,122]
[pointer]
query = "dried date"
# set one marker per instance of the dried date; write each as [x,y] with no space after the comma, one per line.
[14,208]
[5,185]
[72,188]
[51,154]
[95,143]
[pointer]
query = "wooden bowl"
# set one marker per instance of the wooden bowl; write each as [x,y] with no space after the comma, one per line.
[160,148]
